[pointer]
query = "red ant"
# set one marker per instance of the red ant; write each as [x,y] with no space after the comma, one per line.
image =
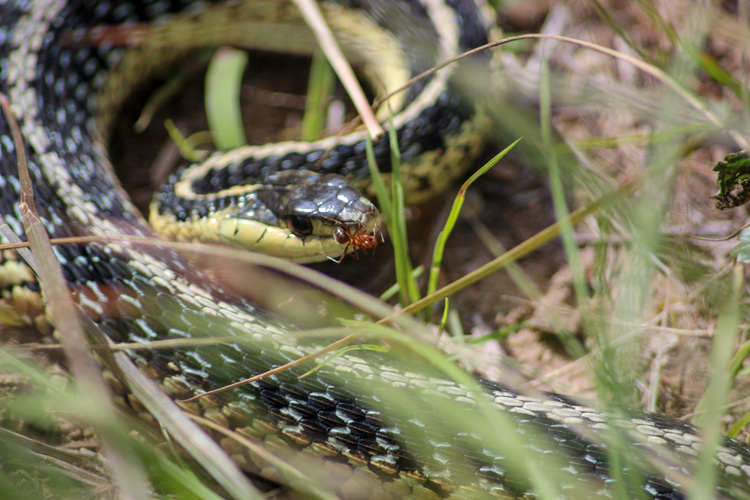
[361,240]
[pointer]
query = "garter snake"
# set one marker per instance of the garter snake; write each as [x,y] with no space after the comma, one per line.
[344,421]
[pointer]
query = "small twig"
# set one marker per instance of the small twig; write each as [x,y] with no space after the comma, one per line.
[728,237]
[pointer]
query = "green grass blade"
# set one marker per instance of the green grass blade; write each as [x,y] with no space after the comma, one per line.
[561,206]
[444,319]
[740,424]
[186,145]
[409,291]
[392,209]
[223,80]
[384,197]
[319,91]
[458,202]
[711,407]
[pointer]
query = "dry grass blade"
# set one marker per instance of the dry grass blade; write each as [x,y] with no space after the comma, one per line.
[311,12]
[647,68]
[127,473]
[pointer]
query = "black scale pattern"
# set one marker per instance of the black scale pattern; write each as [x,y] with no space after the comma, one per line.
[346,403]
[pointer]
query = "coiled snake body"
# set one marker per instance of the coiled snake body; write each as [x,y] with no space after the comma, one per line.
[345,416]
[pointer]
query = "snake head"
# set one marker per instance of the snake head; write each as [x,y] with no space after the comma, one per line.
[305,215]
[295,214]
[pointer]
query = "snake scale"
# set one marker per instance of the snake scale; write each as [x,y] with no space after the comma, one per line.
[343,422]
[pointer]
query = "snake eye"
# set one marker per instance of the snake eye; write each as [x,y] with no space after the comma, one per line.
[301,226]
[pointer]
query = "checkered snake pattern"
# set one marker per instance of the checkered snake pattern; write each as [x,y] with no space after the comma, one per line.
[373,424]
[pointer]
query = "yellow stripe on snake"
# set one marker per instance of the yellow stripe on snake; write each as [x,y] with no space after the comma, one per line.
[371,424]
